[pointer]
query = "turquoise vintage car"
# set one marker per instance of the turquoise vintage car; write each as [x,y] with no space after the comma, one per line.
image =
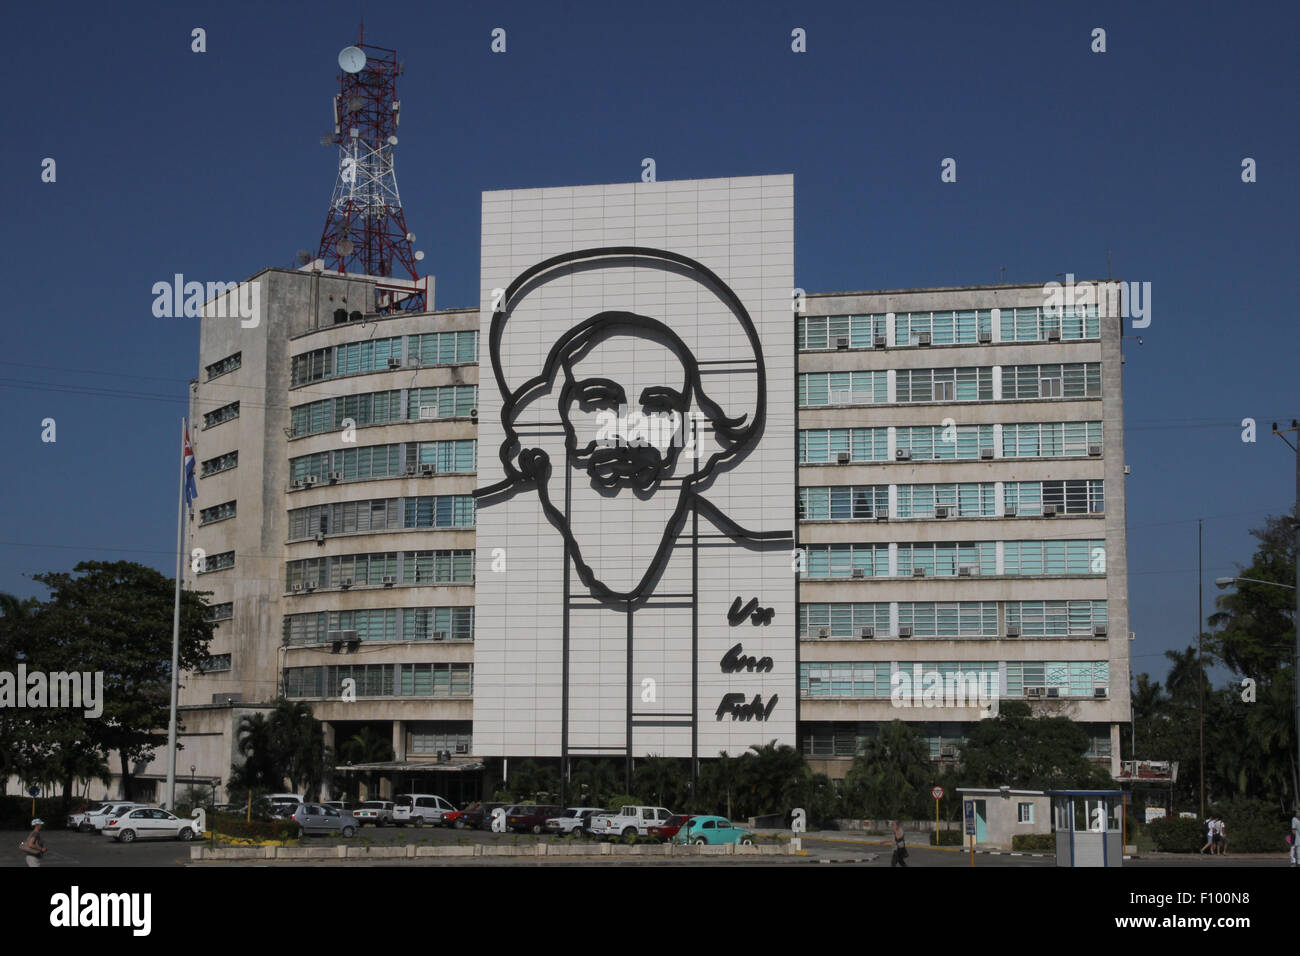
[712,831]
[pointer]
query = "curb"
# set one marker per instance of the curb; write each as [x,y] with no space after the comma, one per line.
[199,854]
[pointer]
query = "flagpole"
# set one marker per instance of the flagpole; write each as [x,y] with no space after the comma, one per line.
[176,630]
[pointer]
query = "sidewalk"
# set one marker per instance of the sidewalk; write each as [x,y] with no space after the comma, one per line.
[916,840]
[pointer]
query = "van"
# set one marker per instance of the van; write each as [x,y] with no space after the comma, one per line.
[420,809]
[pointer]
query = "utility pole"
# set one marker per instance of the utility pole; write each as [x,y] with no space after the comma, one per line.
[1200,654]
[1295,530]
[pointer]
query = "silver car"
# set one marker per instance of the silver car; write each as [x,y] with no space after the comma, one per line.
[317,818]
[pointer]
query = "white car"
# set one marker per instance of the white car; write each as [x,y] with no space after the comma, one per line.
[629,821]
[81,820]
[420,809]
[95,819]
[150,823]
[573,819]
[376,812]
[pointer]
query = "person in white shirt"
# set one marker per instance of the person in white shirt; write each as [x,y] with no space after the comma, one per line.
[1295,839]
[1220,839]
[1209,835]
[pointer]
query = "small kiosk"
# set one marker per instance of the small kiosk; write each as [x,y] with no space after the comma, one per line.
[1088,826]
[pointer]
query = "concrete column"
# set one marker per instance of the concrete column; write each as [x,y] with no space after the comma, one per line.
[399,740]
[327,787]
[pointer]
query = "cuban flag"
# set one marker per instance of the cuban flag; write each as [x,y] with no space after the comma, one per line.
[191,490]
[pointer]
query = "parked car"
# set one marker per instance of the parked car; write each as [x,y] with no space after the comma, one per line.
[375,812]
[420,809]
[80,820]
[281,806]
[341,806]
[316,818]
[667,830]
[573,820]
[711,831]
[629,821]
[97,818]
[150,823]
[531,817]
[471,815]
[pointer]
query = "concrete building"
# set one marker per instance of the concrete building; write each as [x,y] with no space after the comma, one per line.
[958,456]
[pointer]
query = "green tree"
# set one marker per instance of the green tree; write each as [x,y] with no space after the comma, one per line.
[1019,750]
[887,779]
[664,780]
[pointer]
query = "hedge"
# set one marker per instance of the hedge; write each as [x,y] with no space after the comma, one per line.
[16,812]
[1177,834]
[237,826]
[1034,842]
[948,838]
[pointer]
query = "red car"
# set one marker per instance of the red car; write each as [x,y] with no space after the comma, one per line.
[666,831]
[531,817]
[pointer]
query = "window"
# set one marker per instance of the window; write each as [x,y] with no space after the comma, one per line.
[217,513]
[1054,557]
[443,401]
[944,558]
[824,445]
[1078,380]
[219,562]
[844,679]
[1034,323]
[841,560]
[438,567]
[372,408]
[944,328]
[214,664]
[221,463]
[221,612]
[1049,439]
[223,414]
[1056,618]
[447,457]
[825,331]
[227,364]
[1075,497]
[1066,678]
[455,736]
[352,358]
[937,443]
[966,500]
[842,502]
[441,511]
[443,348]
[843,388]
[843,620]
[950,619]
[355,464]
[944,384]
[1024,813]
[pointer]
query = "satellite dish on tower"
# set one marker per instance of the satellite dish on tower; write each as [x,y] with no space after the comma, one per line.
[351,59]
[345,247]
[304,257]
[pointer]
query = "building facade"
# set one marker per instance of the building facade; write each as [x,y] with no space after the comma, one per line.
[861,493]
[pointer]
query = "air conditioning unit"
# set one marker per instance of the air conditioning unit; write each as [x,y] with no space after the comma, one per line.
[297,483]
[841,341]
[905,630]
[410,470]
[1094,450]
[882,514]
[426,470]
[867,632]
[1009,511]
[879,341]
[1099,630]
[439,635]
[922,338]
[1100,692]
[941,512]
[1013,630]
[823,632]
[1049,511]
[986,453]
[462,748]
[902,454]
[428,413]
[341,635]
[918,572]
[1053,335]
[345,583]
[389,580]
[965,571]
[297,586]
[859,573]
[320,537]
[1126,470]
[843,457]
[309,586]
[473,414]
[335,477]
[309,481]
[986,337]
[227,698]
[947,750]
[394,363]
[1053,692]
[1034,691]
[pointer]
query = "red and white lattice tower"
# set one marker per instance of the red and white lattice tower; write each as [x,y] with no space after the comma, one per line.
[365,230]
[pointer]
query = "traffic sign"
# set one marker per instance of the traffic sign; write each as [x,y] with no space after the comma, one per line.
[33,792]
[968,809]
[937,793]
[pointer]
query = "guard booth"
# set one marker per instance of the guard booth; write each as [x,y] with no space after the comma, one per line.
[1088,825]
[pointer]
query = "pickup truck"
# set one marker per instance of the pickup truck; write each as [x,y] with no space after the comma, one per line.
[629,821]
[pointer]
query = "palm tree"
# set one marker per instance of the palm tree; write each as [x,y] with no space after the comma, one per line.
[891,771]
[298,743]
[661,779]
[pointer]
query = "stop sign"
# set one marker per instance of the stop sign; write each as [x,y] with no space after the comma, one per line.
[937,793]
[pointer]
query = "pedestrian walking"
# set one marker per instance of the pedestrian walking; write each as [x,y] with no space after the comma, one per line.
[1209,834]
[1295,838]
[1222,837]
[34,847]
[900,847]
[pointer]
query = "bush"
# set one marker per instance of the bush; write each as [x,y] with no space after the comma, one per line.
[237,826]
[619,801]
[1177,834]
[16,813]
[1252,826]
[948,838]
[1034,842]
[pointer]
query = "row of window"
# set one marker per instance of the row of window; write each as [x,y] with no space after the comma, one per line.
[217,512]
[968,384]
[451,456]
[952,558]
[214,664]
[383,624]
[381,680]
[964,499]
[961,327]
[378,408]
[843,739]
[454,736]
[223,414]
[214,466]
[949,442]
[382,514]
[952,619]
[376,355]
[221,612]
[877,679]
[379,569]
[218,562]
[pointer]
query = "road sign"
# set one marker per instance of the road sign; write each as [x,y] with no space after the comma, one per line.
[33,792]
[968,811]
[937,793]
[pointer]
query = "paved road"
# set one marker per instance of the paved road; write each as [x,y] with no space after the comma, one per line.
[68,849]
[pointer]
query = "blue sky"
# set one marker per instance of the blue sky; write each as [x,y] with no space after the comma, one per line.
[211,165]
